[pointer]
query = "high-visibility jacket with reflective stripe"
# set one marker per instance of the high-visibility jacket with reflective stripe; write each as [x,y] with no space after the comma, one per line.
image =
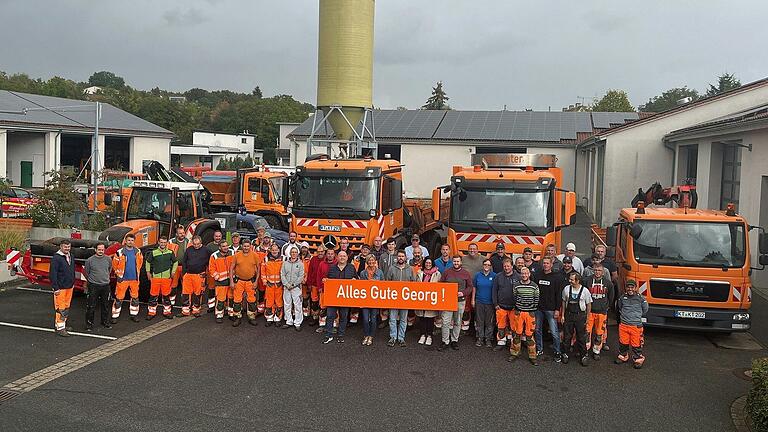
[219,265]
[178,247]
[118,262]
[161,263]
[270,271]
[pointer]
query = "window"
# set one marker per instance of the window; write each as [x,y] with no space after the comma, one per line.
[244,140]
[184,207]
[731,175]
[254,185]
[692,161]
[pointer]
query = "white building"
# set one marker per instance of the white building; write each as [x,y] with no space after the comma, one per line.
[205,156]
[43,133]
[244,142]
[429,143]
[611,165]
[285,151]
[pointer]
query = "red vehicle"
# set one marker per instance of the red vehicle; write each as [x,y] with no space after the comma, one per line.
[16,200]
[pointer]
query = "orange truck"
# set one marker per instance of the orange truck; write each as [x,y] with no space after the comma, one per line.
[154,208]
[359,199]
[257,190]
[692,265]
[511,198]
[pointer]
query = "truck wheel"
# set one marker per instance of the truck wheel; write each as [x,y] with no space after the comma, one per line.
[207,236]
[274,221]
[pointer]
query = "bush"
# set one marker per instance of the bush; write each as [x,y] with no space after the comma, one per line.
[757,401]
[11,238]
[44,214]
[96,222]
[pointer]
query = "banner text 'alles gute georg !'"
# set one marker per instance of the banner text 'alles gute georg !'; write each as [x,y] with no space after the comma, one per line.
[391,294]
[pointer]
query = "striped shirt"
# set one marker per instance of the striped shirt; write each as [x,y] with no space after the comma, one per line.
[526,296]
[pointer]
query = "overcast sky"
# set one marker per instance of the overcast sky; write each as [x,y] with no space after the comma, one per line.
[522,54]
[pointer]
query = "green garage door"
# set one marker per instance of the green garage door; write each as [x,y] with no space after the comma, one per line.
[26,174]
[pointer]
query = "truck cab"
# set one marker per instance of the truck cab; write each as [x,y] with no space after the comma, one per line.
[693,266]
[509,198]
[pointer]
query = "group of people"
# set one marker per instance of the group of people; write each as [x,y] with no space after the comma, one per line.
[513,301]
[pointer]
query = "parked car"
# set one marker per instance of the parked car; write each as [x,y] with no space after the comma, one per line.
[247,224]
[16,200]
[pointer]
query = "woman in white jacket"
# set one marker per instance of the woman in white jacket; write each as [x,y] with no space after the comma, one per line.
[428,273]
[292,275]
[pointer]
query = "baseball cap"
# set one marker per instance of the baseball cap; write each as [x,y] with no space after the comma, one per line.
[630,282]
[365,246]
[527,249]
[500,245]
[236,234]
[568,260]
[304,245]
[415,237]
[570,247]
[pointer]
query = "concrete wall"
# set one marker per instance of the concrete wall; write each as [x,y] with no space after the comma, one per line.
[144,148]
[636,156]
[428,166]
[752,197]
[22,147]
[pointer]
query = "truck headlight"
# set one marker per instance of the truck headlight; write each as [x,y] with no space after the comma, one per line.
[372,213]
[741,317]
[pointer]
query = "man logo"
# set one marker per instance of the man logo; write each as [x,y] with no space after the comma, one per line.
[689,290]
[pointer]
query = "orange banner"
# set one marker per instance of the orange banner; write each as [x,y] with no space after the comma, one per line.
[391,294]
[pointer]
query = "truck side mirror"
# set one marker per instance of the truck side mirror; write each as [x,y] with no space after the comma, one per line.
[610,236]
[570,208]
[762,243]
[436,204]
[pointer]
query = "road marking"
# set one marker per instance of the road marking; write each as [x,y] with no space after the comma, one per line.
[46,375]
[51,292]
[50,330]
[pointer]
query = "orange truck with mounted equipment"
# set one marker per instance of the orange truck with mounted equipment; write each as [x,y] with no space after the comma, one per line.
[154,208]
[359,199]
[510,198]
[255,190]
[693,266]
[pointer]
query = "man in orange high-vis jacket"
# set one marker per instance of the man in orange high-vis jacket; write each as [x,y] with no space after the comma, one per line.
[273,287]
[218,268]
[127,264]
[178,245]
[244,273]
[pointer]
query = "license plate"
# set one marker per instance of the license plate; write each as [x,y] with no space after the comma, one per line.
[690,314]
[332,228]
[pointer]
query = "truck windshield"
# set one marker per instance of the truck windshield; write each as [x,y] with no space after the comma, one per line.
[277,187]
[694,244]
[343,193]
[505,208]
[150,204]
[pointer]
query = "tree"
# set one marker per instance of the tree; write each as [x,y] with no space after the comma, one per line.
[257,92]
[668,99]
[725,82]
[106,79]
[614,101]
[438,100]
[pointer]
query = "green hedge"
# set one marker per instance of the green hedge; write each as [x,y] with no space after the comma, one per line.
[757,401]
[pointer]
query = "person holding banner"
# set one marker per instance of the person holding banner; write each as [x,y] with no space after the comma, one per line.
[398,318]
[313,282]
[451,329]
[370,272]
[342,270]
[429,273]
[322,272]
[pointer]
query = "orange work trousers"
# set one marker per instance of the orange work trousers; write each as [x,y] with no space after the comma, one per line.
[523,323]
[61,301]
[192,284]
[247,289]
[504,322]
[596,323]
[630,335]
[160,286]
[132,288]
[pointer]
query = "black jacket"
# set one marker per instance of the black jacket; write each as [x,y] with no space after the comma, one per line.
[195,261]
[503,291]
[62,273]
[551,287]
[348,273]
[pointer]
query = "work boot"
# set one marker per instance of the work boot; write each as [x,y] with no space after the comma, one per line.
[89,327]
[148,318]
[252,322]
[135,318]
[584,360]
[442,347]
[391,342]
[488,343]
[236,322]
[534,361]
[285,326]
[268,324]
[114,320]
[455,345]
[219,320]
[106,325]
[169,316]
[621,359]
[62,333]
[564,358]
[596,356]
[511,358]
[478,342]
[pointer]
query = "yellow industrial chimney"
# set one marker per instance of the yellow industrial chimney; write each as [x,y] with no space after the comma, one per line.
[345,63]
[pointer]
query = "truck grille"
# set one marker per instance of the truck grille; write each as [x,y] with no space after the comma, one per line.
[355,242]
[679,289]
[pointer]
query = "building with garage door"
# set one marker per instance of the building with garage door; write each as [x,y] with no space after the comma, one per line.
[44,133]
[429,142]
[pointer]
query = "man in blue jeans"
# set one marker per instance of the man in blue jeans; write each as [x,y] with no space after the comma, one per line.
[342,270]
[398,318]
[551,284]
